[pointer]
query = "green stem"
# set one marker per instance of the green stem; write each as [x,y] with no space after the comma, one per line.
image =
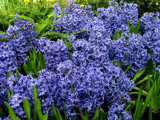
[144,92]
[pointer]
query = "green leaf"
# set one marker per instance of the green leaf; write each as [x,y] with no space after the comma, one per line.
[38,109]
[138,105]
[10,74]
[34,55]
[35,103]
[27,108]
[17,73]
[35,110]
[96,115]
[144,79]
[149,95]
[65,115]
[70,55]
[17,118]
[60,117]
[34,93]
[11,111]
[138,74]
[86,117]
[119,63]
[128,68]
[55,112]
[150,112]
[26,69]
[117,35]
[128,23]
[9,94]
[45,117]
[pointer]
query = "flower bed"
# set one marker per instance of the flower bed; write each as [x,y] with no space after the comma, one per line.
[93,69]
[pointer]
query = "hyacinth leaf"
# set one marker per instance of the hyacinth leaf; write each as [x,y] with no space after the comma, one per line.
[55,113]
[45,117]
[96,115]
[148,77]
[65,115]
[35,105]
[35,110]
[137,29]
[35,63]
[38,109]
[70,56]
[10,74]
[128,23]
[27,108]
[114,62]
[26,68]
[119,63]
[102,115]
[9,94]
[34,55]
[30,53]
[34,93]
[86,117]
[117,35]
[150,112]
[138,74]
[138,105]
[132,28]
[149,95]
[11,112]
[155,103]
[33,66]
[43,61]
[17,73]
[60,116]
[128,68]
[39,66]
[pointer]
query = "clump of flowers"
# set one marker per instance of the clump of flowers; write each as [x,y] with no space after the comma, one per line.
[150,27]
[130,50]
[55,52]
[22,36]
[73,20]
[8,63]
[116,15]
[88,79]
[92,86]
[47,89]
[14,49]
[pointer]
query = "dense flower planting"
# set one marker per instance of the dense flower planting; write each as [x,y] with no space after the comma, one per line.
[91,76]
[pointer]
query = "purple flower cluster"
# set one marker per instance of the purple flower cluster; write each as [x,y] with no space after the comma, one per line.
[87,53]
[117,109]
[73,20]
[47,89]
[77,86]
[150,27]
[13,52]
[130,50]
[100,29]
[22,36]
[7,63]
[115,17]
[90,79]
[55,52]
